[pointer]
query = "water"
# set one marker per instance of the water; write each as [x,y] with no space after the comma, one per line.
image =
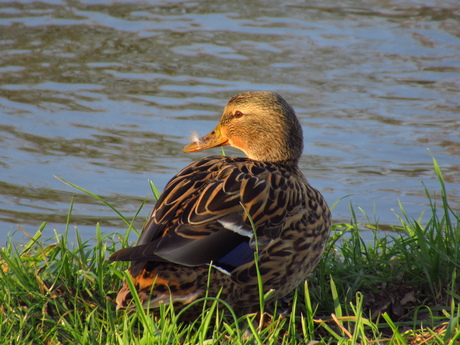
[105,95]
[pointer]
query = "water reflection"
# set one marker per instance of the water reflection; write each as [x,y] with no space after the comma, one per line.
[105,96]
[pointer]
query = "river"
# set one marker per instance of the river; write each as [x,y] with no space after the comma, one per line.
[105,95]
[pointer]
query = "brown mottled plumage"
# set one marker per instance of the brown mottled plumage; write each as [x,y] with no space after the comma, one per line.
[201,220]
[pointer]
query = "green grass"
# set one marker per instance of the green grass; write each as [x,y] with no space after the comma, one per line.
[401,288]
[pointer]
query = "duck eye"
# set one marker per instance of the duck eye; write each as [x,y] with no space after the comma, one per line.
[238,113]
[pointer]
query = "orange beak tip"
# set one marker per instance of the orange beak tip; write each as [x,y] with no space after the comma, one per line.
[192,147]
[213,139]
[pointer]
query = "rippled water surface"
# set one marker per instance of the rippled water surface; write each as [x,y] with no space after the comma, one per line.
[105,95]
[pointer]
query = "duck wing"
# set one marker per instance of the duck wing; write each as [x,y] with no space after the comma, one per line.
[199,217]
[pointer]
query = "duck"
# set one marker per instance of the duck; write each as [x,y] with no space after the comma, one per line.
[222,224]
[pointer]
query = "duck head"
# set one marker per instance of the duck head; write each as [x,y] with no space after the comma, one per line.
[259,123]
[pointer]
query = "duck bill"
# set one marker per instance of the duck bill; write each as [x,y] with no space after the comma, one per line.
[213,139]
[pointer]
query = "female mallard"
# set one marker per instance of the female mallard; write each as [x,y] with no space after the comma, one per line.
[201,218]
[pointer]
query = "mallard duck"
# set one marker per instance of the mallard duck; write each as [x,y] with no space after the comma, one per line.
[199,240]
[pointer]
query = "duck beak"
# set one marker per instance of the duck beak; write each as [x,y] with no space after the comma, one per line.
[213,139]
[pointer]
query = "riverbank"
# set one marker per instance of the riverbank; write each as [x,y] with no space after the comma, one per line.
[402,287]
